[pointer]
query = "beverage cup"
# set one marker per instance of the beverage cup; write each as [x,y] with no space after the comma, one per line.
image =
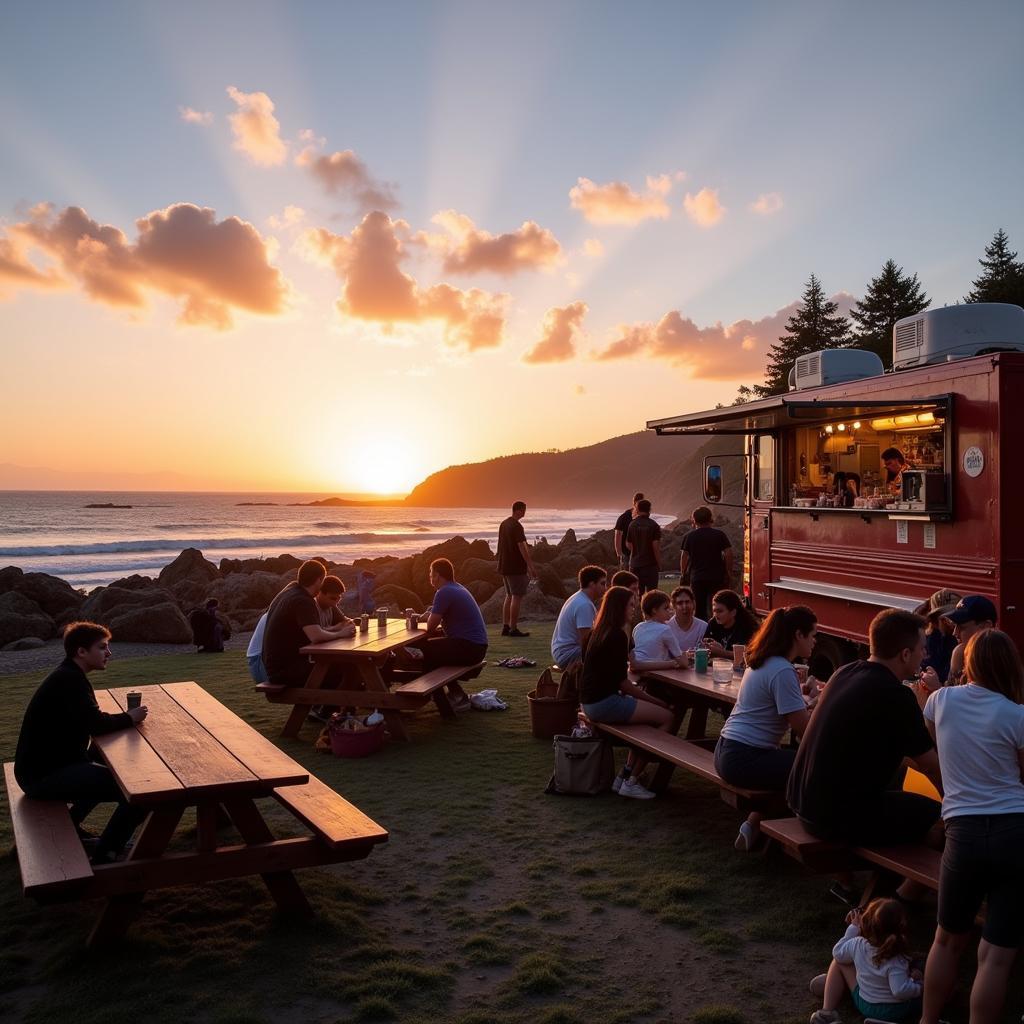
[700,660]
[801,674]
[134,699]
[364,623]
[690,655]
[721,671]
[738,653]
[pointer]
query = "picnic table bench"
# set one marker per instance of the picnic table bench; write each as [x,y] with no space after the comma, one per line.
[190,751]
[364,655]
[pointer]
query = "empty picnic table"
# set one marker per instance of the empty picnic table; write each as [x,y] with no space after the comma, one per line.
[366,654]
[190,751]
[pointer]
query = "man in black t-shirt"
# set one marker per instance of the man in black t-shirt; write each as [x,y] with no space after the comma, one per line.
[516,568]
[644,539]
[293,620]
[621,528]
[707,555]
[842,785]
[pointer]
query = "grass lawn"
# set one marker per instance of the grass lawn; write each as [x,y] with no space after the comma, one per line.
[491,903]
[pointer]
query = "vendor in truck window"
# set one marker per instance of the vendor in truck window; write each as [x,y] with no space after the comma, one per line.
[895,464]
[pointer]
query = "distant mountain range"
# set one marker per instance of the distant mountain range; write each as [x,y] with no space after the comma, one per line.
[668,470]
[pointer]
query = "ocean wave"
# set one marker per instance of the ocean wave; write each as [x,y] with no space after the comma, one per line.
[332,526]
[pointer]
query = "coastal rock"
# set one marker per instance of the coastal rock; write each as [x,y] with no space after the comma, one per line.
[542,551]
[10,578]
[189,565]
[536,607]
[108,603]
[27,643]
[21,617]
[240,591]
[456,550]
[398,573]
[57,599]
[393,596]
[568,540]
[481,590]
[277,564]
[474,569]
[568,565]
[152,624]
[134,582]
[550,583]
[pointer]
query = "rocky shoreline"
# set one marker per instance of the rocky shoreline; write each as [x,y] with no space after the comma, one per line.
[34,607]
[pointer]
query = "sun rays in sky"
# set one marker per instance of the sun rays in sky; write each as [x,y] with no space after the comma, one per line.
[351,245]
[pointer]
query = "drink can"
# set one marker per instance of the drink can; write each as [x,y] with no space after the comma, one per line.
[364,623]
[382,617]
[700,659]
[134,699]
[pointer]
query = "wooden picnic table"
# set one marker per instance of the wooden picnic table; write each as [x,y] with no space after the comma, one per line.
[698,692]
[190,751]
[365,654]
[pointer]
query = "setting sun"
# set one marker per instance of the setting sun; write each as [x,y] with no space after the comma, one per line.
[385,466]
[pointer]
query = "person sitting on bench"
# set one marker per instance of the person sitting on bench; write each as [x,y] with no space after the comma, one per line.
[770,703]
[865,724]
[456,633]
[654,644]
[53,761]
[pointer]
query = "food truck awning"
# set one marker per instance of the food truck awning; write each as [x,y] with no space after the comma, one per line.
[790,410]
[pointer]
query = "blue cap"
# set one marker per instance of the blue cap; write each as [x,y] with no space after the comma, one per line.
[973,608]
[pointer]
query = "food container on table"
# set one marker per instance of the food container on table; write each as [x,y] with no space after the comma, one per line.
[721,670]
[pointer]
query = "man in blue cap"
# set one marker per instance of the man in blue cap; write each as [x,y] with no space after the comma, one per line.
[971,615]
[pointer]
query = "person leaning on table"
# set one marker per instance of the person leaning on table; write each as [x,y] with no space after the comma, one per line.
[53,761]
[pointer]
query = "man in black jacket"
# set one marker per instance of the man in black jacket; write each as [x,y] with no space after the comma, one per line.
[52,761]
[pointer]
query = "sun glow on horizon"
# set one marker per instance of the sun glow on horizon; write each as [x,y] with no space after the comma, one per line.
[384,466]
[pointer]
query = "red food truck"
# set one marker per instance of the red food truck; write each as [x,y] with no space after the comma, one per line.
[864,490]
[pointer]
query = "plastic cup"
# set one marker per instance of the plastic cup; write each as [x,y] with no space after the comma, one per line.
[134,699]
[738,654]
[721,670]
[801,674]
[700,660]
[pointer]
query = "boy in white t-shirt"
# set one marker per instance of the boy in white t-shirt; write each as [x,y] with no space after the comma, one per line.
[654,643]
[688,629]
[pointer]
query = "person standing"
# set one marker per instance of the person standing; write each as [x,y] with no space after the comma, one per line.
[643,538]
[516,568]
[52,760]
[979,731]
[621,528]
[707,555]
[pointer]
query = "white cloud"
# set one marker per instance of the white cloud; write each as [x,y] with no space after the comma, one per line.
[191,116]
[704,208]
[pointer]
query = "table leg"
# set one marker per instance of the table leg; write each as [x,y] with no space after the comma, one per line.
[119,911]
[284,888]
[374,682]
[207,818]
[663,773]
[698,725]
[300,712]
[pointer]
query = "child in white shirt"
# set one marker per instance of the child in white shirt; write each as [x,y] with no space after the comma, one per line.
[872,961]
[654,643]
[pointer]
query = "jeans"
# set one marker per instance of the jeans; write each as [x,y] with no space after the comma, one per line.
[753,767]
[84,785]
[447,650]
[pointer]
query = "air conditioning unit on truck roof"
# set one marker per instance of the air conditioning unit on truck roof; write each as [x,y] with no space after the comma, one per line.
[956,332]
[833,366]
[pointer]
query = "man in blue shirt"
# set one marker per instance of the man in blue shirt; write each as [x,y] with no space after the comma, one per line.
[456,634]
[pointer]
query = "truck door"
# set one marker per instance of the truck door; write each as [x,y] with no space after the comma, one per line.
[763,495]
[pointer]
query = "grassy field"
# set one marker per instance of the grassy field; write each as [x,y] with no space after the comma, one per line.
[491,904]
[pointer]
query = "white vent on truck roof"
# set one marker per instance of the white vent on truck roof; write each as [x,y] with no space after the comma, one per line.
[957,332]
[833,366]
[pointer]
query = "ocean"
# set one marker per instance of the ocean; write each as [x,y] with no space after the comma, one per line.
[53,531]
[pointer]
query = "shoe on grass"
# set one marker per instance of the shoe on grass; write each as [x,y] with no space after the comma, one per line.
[505,630]
[517,632]
[817,985]
[747,838]
[825,1017]
[617,783]
[630,787]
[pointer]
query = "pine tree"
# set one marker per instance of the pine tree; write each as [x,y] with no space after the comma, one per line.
[815,325]
[889,297]
[1003,276]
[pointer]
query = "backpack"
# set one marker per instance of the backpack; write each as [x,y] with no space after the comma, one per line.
[584,766]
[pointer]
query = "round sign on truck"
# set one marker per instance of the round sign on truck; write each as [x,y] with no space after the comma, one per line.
[974,461]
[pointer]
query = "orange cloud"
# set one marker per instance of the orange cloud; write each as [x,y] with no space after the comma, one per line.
[345,174]
[289,218]
[468,250]
[704,208]
[190,116]
[593,247]
[767,204]
[716,352]
[376,288]
[16,271]
[562,328]
[617,203]
[182,251]
[257,132]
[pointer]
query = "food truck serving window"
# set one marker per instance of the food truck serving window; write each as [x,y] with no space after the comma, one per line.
[868,456]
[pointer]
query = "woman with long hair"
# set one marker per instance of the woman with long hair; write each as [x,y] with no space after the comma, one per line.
[606,692]
[731,623]
[770,702]
[979,733]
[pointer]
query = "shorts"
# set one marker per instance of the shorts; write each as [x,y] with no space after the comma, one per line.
[982,861]
[892,818]
[649,577]
[765,768]
[903,1010]
[257,669]
[613,709]
[516,586]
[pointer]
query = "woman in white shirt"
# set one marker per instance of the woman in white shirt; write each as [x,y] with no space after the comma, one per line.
[979,733]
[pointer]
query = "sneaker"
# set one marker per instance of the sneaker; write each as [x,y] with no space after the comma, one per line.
[505,630]
[747,838]
[817,985]
[617,784]
[825,1017]
[630,787]
[517,632]
[461,703]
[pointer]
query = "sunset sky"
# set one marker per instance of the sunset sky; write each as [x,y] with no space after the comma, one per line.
[338,246]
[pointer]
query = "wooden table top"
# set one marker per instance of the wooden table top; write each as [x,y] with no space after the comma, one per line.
[190,748]
[700,683]
[376,642]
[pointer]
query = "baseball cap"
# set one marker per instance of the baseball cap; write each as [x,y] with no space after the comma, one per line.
[973,608]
